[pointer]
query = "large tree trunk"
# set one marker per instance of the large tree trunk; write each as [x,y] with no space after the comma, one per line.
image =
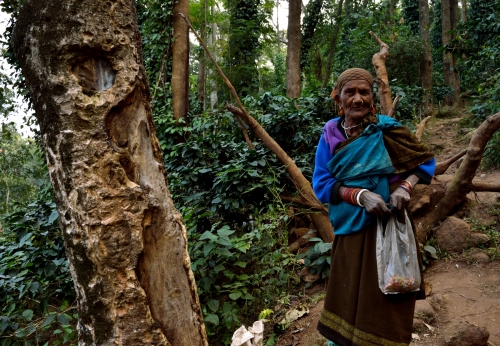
[449,13]
[180,62]
[125,241]
[293,52]
[464,11]
[333,44]
[425,56]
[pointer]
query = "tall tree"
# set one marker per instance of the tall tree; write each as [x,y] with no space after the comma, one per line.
[180,62]
[293,51]
[464,11]
[449,13]
[311,18]
[333,44]
[125,241]
[425,56]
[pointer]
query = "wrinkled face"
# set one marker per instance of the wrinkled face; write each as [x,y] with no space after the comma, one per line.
[356,98]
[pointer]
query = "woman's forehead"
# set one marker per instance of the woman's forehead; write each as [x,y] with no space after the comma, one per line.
[357,83]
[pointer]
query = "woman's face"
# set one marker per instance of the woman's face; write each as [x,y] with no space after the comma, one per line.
[356,98]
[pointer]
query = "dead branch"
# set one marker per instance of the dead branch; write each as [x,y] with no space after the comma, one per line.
[461,183]
[245,133]
[420,128]
[378,61]
[441,167]
[321,220]
[392,111]
[480,186]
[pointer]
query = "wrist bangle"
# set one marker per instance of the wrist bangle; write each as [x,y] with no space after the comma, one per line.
[406,188]
[411,185]
[358,197]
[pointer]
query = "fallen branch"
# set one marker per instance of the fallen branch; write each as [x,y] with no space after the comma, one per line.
[378,61]
[321,220]
[461,183]
[479,186]
[245,133]
[441,167]
[420,128]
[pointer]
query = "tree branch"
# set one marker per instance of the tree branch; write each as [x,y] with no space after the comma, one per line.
[441,167]
[378,61]
[420,128]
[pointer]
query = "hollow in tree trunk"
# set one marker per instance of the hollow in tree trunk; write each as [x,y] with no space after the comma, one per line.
[125,241]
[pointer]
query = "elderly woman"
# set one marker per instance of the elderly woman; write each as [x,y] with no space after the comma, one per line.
[365,165]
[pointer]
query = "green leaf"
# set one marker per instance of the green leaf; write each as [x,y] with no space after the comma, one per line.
[235,295]
[28,314]
[213,305]
[50,269]
[212,318]
[57,331]
[34,287]
[208,235]
[207,248]
[225,231]
[62,319]
[53,217]
[224,252]
[48,320]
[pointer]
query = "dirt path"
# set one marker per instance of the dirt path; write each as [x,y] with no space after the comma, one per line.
[465,287]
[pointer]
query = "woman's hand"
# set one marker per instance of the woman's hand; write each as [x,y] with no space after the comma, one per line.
[400,198]
[374,204]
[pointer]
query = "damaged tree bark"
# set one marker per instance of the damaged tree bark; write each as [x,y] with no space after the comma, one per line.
[125,241]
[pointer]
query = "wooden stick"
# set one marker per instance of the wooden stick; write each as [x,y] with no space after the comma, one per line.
[420,128]
[378,62]
[392,111]
[441,167]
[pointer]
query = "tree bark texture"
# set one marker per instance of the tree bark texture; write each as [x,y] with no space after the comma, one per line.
[464,11]
[293,51]
[125,241]
[333,44]
[378,62]
[461,183]
[449,13]
[180,62]
[425,56]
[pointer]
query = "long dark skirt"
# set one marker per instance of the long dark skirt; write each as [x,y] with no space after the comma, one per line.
[356,312]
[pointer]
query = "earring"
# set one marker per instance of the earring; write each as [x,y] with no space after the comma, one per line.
[341,111]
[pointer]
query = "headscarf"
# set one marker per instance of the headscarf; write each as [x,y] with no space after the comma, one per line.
[349,75]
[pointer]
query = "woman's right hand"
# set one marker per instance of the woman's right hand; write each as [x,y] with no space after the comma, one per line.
[374,204]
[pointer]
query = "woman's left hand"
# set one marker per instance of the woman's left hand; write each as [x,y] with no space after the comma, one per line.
[400,198]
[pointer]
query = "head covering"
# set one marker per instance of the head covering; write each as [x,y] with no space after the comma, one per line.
[349,75]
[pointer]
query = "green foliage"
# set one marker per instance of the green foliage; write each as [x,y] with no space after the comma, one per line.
[411,15]
[36,290]
[436,37]
[312,16]
[318,257]
[491,157]
[22,167]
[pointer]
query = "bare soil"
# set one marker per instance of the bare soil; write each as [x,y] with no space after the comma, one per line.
[464,287]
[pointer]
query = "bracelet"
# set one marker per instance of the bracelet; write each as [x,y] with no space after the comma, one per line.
[404,186]
[359,195]
[411,185]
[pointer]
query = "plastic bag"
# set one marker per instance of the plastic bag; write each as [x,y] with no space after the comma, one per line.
[397,261]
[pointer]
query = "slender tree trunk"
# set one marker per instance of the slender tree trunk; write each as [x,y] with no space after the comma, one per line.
[449,12]
[347,3]
[202,78]
[293,51]
[464,11]
[333,44]
[125,241]
[180,62]
[425,56]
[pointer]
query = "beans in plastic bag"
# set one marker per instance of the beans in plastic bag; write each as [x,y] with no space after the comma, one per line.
[397,261]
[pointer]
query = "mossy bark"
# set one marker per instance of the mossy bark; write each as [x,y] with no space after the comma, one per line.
[125,241]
